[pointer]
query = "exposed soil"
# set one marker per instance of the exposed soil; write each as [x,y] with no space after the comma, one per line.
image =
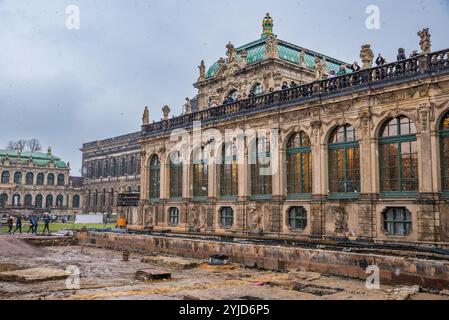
[103,275]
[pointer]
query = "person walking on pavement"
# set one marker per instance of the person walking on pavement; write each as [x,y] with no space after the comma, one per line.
[36,224]
[31,229]
[18,225]
[10,223]
[47,220]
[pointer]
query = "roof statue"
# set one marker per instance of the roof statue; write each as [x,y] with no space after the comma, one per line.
[231,53]
[425,42]
[202,69]
[146,116]
[367,56]
[267,25]
[49,150]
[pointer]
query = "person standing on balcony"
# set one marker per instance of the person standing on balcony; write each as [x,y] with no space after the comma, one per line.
[414,54]
[355,66]
[401,54]
[380,61]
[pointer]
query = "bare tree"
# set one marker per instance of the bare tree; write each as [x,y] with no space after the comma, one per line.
[11,145]
[34,145]
[21,145]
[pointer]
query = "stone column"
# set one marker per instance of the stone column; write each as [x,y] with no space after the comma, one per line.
[143,178]
[164,179]
[320,180]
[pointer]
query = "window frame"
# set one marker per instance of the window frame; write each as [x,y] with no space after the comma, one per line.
[298,177]
[227,217]
[407,222]
[301,219]
[174,216]
[155,179]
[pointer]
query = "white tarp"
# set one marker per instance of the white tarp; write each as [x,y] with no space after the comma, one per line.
[89,219]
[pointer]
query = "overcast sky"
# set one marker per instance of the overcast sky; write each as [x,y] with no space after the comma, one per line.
[66,87]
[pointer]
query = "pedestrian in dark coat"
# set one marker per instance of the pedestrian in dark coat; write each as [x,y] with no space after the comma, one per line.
[10,223]
[18,225]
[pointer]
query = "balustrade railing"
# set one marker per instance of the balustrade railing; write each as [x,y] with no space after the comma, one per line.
[406,69]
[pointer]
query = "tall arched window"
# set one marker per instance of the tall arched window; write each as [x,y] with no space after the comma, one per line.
[256,90]
[76,201]
[49,202]
[96,199]
[5,177]
[344,161]
[103,198]
[261,175]
[123,166]
[29,179]
[18,177]
[175,176]
[40,179]
[132,165]
[200,174]
[111,197]
[28,201]
[398,157]
[229,171]
[16,200]
[59,201]
[299,165]
[114,168]
[51,179]
[38,201]
[107,171]
[61,179]
[444,151]
[155,178]
[3,200]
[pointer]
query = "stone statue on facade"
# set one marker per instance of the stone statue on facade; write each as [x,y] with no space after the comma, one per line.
[146,116]
[320,68]
[166,111]
[302,58]
[202,68]
[187,106]
[271,47]
[255,220]
[366,56]
[244,56]
[425,42]
[231,52]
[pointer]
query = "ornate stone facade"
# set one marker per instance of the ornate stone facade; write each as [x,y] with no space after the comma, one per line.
[363,155]
[38,183]
[111,167]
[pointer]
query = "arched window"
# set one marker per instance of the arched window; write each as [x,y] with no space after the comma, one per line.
[16,200]
[61,180]
[114,168]
[129,189]
[40,179]
[3,200]
[49,202]
[173,216]
[28,201]
[96,200]
[344,161]
[299,165]
[103,198]
[59,201]
[51,179]
[132,165]
[111,198]
[229,171]
[233,96]
[261,175]
[107,172]
[200,174]
[38,201]
[398,156]
[256,90]
[123,166]
[297,218]
[397,221]
[18,177]
[155,178]
[5,177]
[226,217]
[29,179]
[175,176]
[444,151]
[76,201]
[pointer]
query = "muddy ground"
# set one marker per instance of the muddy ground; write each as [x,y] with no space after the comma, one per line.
[103,275]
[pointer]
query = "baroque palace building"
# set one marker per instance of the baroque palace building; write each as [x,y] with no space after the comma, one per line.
[344,154]
[110,167]
[37,183]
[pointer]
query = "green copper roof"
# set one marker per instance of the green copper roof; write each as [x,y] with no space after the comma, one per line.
[287,52]
[39,158]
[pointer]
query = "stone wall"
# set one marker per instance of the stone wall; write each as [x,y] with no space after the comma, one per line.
[393,269]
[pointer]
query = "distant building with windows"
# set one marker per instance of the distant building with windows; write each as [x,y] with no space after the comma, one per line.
[110,167]
[37,183]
